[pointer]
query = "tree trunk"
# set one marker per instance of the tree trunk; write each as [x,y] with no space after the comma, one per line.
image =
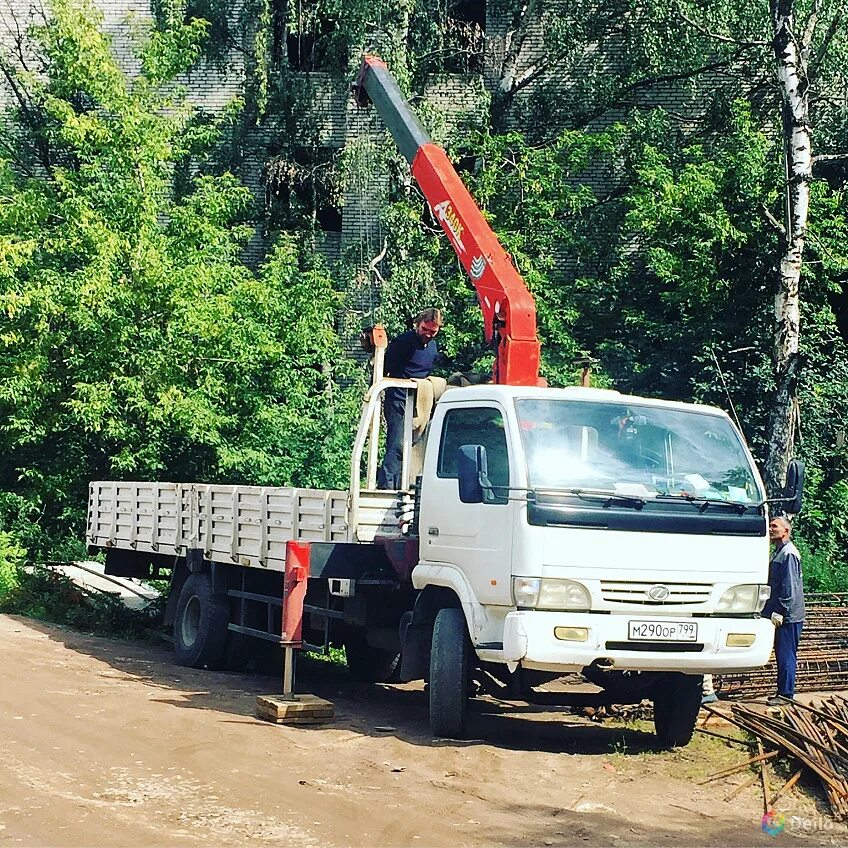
[523,15]
[792,77]
[513,44]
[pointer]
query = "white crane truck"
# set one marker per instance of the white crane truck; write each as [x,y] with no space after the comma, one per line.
[537,531]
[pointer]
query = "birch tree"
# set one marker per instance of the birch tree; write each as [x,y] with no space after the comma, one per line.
[791,69]
[806,42]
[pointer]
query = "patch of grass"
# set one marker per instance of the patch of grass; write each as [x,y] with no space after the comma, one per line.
[49,596]
[703,756]
[336,656]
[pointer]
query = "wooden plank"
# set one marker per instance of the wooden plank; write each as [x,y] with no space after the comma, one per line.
[307,709]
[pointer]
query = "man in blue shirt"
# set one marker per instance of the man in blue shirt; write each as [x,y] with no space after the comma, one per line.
[785,607]
[409,356]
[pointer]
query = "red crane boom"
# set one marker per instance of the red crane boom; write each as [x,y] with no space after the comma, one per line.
[509,310]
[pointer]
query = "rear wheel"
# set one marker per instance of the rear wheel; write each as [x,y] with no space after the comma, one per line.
[677,701]
[200,626]
[449,674]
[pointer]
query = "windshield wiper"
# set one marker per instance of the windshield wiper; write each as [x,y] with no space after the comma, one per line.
[703,504]
[608,498]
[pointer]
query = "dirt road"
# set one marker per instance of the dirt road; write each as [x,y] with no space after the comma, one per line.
[107,743]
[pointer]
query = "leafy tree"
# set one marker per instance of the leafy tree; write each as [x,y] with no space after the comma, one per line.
[134,342]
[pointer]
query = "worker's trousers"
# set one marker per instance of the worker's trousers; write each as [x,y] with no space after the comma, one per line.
[388,474]
[786,638]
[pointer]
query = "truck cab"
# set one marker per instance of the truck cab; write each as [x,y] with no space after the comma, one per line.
[586,530]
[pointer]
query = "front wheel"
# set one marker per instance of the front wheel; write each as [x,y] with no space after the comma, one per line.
[677,701]
[200,626]
[449,674]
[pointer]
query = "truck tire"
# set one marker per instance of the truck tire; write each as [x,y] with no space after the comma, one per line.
[677,700]
[373,665]
[200,626]
[449,674]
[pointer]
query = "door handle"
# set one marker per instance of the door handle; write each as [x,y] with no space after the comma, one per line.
[432,531]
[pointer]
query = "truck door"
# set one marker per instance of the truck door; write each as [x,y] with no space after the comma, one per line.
[477,538]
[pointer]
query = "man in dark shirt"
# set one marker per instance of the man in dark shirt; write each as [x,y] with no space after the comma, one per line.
[785,606]
[411,355]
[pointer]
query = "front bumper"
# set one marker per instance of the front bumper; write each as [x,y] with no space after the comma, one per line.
[530,641]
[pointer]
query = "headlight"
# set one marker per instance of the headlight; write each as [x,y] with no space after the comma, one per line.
[747,598]
[564,595]
[547,593]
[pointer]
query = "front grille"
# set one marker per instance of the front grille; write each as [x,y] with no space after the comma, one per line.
[636,592]
[657,647]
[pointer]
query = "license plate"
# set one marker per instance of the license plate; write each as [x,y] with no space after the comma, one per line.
[663,631]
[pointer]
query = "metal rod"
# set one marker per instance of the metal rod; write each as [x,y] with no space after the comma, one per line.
[733,769]
[763,778]
[257,634]
[744,742]
[288,674]
[786,787]
[742,786]
[406,461]
[374,436]
[253,596]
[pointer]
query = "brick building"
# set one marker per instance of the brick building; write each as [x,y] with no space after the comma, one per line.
[283,154]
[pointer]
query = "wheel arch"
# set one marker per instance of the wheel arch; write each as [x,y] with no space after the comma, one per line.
[446,586]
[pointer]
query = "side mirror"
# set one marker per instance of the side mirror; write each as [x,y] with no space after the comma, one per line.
[794,491]
[471,466]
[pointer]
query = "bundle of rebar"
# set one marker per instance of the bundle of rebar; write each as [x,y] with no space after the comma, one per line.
[822,653]
[622,712]
[814,735]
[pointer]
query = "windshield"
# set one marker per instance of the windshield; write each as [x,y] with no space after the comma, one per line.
[632,450]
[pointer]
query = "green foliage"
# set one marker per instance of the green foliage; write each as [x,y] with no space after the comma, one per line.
[531,197]
[681,230]
[12,557]
[50,596]
[134,341]
[822,533]
[823,572]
